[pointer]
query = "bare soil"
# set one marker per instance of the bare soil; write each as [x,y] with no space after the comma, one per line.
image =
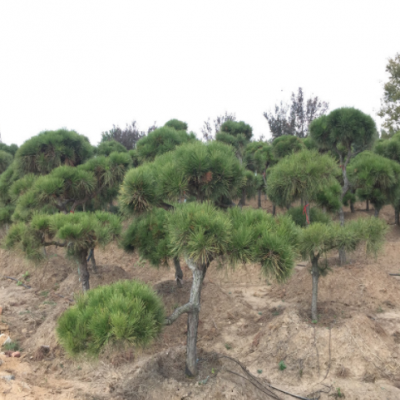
[353,349]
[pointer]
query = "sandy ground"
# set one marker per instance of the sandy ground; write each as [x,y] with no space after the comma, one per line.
[353,350]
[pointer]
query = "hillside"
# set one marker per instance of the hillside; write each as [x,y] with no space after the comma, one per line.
[354,346]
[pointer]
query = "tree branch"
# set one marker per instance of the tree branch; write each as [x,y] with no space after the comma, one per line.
[54,243]
[185,309]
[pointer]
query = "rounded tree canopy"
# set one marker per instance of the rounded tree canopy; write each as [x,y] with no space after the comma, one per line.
[346,128]
[301,175]
[202,171]
[110,146]
[160,141]
[236,128]
[389,148]
[51,149]
[177,125]
[320,238]
[203,233]
[285,145]
[5,160]
[375,177]
[125,312]
[76,232]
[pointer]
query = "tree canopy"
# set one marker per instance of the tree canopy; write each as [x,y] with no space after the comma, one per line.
[390,109]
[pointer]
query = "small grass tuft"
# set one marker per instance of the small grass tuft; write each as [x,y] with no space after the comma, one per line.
[282,366]
[12,346]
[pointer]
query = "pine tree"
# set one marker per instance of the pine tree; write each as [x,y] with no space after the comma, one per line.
[320,238]
[197,230]
[345,132]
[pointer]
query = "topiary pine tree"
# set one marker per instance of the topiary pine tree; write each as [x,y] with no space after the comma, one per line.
[107,147]
[160,141]
[77,233]
[319,238]
[177,125]
[131,313]
[346,132]
[197,230]
[258,157]
[285,145]
[302,175]
[376,178]
[51,149]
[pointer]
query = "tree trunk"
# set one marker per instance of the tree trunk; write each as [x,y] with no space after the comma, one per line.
[345,188]
[242,201]
[178,272]
[93,260]
[367,206]
[342,252]
[84,270]
[199,272]
[352,207]
[376,212]
[307,206]
[259,198]
[397,216]
[273,209]
[315,277]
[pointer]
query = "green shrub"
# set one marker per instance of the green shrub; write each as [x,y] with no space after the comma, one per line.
[316,215]
[124,312]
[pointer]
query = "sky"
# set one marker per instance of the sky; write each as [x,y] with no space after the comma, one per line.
[89,65]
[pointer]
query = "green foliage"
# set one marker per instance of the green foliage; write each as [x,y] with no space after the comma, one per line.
[80,231]
[302,175]
[282,366]
[126,312]
[160,141]
[391,99]
[6,213]
[237,128]
[11,149]
[258,156]
[199,231]
[12,346]
[5,160]
[316,215]
[51,149]
[319,238]
[149,235]
[375,177]
[204,172]
[285,145]
[110,146]
[344,130]
[310,143]
[329,197]
[21,186]
[389,148]
[177,125]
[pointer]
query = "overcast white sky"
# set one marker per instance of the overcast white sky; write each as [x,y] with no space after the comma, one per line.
[87,65]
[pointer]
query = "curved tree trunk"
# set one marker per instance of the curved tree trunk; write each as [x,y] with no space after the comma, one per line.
[315,278]
[199,272]
[178,272]
[345,188]
[93,260]
[342,252]
[376,212]
[84,270]
[273,209]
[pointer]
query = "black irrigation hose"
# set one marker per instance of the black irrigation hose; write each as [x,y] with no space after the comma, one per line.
[30,287]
